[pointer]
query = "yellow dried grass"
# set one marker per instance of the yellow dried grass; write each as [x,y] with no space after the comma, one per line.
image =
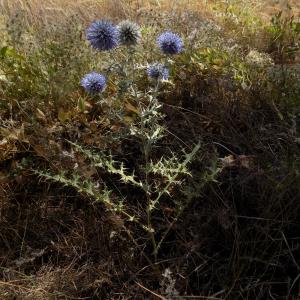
[38,12]
[43,11]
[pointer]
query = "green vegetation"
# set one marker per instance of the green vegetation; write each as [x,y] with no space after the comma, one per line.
[154,189]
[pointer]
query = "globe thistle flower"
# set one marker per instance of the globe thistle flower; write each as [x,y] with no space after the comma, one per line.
[158,71]
[129,33]
[102,35]
[94,83]
[170,43]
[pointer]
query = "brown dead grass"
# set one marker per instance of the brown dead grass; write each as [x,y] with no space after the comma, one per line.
[48,11]
[62,282]
[43,11]
[270,7]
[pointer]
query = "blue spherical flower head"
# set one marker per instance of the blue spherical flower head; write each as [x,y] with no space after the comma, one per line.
[170,43]
[94,83]
[129,33]
[158,71]
[102,35]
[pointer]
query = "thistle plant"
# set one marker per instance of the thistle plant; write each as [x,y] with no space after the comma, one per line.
[156,176]
[102,35]
[158,71]
[170,43]
[129,33]
[94,83]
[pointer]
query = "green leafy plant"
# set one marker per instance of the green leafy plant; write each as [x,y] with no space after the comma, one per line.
[285,35]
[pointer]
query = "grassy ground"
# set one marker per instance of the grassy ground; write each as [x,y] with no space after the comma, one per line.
[192,195]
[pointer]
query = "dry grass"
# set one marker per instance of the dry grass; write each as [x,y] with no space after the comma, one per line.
[57,246]
[39,12]
[272,6]
[42,11]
